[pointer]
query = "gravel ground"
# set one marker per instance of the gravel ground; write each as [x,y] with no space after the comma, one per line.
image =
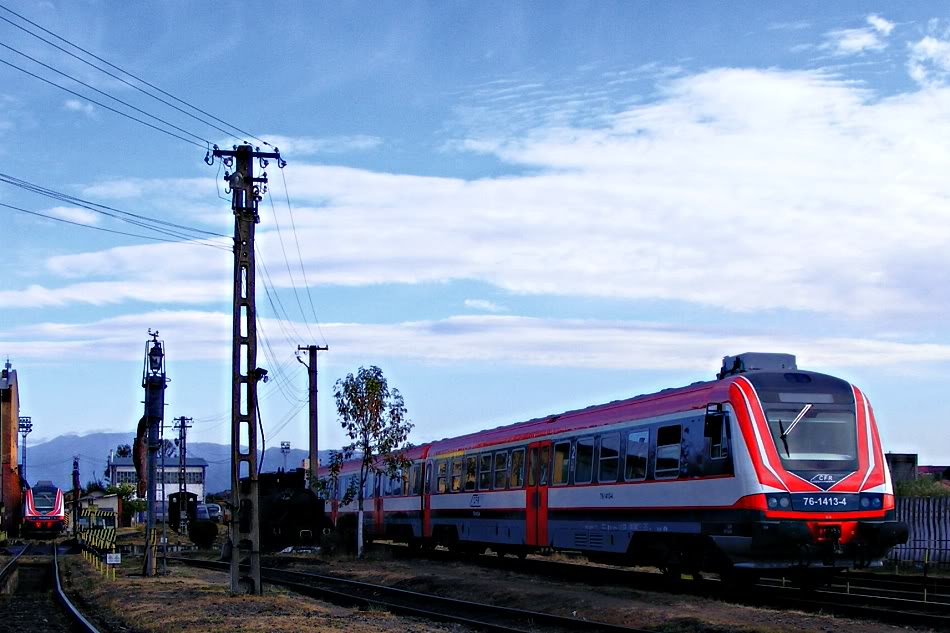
[197,600]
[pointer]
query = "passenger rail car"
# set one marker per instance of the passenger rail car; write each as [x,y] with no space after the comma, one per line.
[765,467]
[44,513]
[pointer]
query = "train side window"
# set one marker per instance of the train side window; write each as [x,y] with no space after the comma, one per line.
[456,474]
[428,478]
[471,467]
[638,449]
[715,436]
[562,463]
[584,460]
[545,463]
[484,471]
[668,449]
[609,458]
[501,470]
[413,480]
[517,468]
[442,479]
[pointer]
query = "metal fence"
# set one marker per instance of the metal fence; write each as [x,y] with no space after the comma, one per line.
[928,519]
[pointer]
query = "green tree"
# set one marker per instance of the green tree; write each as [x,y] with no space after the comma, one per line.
[374,419]
[129,505]
[123,450]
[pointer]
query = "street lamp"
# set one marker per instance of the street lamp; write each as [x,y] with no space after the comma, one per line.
[155,355]
[25,426]
[285,449]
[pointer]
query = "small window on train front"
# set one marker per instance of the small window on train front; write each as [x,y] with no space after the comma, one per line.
[443,485]
[668,451]
[638,449]
[609,458]
[715,436]
[484,471]
[562,463]
[471,466]
[517,468]
[456,474]
[501,470]
[584,461]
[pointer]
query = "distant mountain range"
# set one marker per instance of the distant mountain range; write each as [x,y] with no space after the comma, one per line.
[53,460]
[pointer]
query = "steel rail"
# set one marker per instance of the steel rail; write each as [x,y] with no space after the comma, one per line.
[80,621]
[402,601]
[859,602]
[10,567]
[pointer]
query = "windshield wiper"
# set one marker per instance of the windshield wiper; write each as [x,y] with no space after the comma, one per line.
[785,432]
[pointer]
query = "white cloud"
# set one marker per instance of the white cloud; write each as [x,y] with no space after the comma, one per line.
[513,340]
[744,190]
[291,146]
[929,61]
[75,105]
[879,24]
[484,305]
[75,214]
[859,40]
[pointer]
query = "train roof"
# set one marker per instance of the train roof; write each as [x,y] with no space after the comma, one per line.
[692,397]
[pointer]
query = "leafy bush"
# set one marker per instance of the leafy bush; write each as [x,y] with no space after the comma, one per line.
[923,487]
[202,533]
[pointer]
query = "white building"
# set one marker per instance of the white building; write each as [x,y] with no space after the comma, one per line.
[122,471]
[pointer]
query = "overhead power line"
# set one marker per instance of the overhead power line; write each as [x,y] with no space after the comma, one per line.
[103,93]
[100,104]
[233,127]
[153,224]
[100,228]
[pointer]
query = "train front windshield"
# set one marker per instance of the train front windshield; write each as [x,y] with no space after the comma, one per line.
[810,438]
[44,500]
[811,419]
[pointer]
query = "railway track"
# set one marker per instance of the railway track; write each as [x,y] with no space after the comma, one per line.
[482,616]
[31,594]
[917,602]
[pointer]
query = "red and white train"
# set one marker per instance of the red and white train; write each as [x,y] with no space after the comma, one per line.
[765,467]
[44,512]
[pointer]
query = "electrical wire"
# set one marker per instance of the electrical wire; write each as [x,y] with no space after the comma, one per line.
[136,219]
[100,228]
[293,284]
[303,270]
[125,72]
[101,105]
[103,93]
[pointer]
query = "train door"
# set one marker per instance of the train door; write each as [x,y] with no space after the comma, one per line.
[536,493]
[427,500]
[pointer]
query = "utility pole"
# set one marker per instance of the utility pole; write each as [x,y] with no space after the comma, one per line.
[153,380]
[245,192]
[25,426]
[182,424]
[76,494]
[314,444]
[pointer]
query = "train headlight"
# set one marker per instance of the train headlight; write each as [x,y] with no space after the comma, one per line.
[871,501]
[778,501]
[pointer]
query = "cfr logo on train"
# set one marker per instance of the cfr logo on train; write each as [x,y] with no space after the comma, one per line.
[476,502]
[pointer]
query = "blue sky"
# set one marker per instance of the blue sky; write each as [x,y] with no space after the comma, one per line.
[512,208]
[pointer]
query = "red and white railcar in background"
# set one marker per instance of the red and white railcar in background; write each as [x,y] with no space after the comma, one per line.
[766,467]
[44,512]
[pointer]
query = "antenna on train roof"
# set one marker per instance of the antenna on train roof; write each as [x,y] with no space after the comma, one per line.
[753,361]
